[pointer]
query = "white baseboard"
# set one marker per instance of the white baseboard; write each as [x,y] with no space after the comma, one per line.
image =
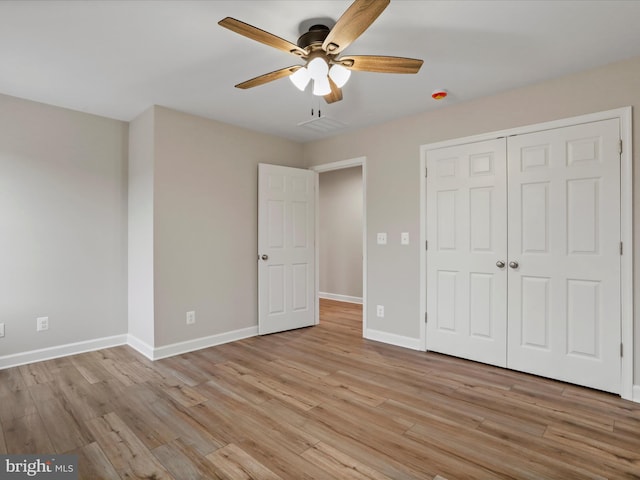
[190,345]
[340,298]
[636,393]
[50,353]
[17,359]
[140,346]
[393,339]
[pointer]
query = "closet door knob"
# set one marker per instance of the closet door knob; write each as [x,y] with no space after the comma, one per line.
[265,257]
[513,264]
[500,264]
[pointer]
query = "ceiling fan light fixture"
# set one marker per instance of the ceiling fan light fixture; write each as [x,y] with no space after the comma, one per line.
[321,86]
[300,78]
[318,68]
[320,48]
[340,75]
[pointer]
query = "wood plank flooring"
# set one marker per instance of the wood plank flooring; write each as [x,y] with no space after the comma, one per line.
[316,403]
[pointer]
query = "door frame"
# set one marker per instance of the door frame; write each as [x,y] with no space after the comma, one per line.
[626,223]
[327,167]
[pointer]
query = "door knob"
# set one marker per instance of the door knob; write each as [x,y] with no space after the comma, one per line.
[513,264]
[500,264]
[265,257]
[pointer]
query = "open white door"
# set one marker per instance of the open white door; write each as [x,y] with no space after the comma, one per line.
[286,254]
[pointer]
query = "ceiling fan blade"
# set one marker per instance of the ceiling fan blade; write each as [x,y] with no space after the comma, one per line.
[254,33]
[375,63]
[268,77]
[355,20]
[335,95]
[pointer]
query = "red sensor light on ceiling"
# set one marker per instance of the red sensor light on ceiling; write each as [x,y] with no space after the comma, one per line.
[439,94]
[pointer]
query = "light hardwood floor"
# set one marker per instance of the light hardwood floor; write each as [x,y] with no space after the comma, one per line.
[314,403]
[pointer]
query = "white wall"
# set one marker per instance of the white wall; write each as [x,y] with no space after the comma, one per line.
[340,223]
[63,226]
[393,176]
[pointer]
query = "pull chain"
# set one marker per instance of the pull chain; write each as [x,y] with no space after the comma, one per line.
[319,111]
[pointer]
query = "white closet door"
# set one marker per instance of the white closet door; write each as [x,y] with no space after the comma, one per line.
[564,234]
[466,234]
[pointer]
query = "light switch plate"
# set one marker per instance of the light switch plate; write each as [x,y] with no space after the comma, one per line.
[382,239]
[404,238]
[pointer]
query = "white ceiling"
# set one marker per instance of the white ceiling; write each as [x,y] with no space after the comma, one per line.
[117,58]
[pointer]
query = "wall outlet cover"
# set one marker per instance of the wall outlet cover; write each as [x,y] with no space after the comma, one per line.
[42,323]
[380,311]
[191,317]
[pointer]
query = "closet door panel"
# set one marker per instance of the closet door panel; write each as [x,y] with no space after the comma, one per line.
[564,234]
[466,234]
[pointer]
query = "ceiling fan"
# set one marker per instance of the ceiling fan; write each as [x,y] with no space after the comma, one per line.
[321,47]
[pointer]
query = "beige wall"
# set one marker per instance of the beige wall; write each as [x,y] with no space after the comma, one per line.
[63,210]
[140,230]
[340,233]
[63,225]
[205,223]
[393,177]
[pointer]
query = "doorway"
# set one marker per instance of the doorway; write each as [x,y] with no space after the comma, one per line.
[341,233]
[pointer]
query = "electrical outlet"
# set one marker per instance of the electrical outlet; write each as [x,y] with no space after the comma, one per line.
[1,330]
[380,311]
[191,317]
[42,323]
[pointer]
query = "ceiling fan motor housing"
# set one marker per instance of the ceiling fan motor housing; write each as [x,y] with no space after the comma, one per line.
[314,37]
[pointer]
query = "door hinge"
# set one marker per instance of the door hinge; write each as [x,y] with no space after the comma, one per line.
[426,244]
[621,349]
[620,146]
[621,248]
[426,172]
[425,317]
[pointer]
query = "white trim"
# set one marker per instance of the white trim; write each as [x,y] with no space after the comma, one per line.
[200,343]
[423,248]
[327,167]
[140,346]
[393,339]
[624,115]
[340,298]
[316,248]
[636,394]
[32,356]
[626,263]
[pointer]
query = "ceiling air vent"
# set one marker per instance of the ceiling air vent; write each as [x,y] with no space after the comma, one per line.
[323,124]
